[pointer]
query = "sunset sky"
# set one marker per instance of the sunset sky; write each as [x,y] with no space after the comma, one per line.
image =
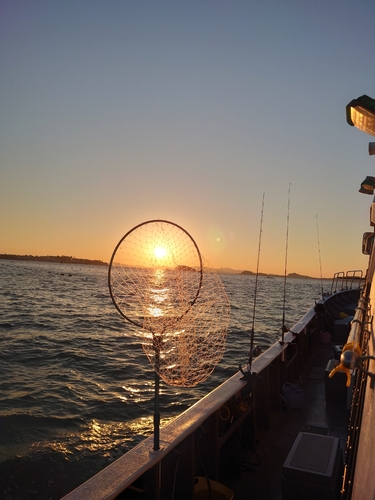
[114,113]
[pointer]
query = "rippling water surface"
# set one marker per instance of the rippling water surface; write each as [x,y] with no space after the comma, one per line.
[76,389]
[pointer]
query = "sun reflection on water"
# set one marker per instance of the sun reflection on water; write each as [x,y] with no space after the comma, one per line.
[158,295]
[107,437]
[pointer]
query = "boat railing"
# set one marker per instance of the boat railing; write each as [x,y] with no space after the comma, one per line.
[358,342]
[356,328]
[347,281]
[178,435]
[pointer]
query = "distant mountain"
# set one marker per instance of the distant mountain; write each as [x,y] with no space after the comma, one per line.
[62,259]
[227,270]
[300,276]
[251,273]
[73,260]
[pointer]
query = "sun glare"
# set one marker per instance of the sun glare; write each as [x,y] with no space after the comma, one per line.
[160,252]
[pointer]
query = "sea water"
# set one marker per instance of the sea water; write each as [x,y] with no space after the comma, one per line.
[77,390]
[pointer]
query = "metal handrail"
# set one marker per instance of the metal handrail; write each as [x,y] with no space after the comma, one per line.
[347,280]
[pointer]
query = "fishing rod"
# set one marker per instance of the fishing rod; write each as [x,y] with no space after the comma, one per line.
[256,286]
[284,329]
[252,350]
[320,260]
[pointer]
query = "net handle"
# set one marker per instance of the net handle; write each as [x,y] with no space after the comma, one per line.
[118,245]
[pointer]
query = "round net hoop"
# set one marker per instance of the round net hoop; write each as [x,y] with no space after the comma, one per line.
[155,271]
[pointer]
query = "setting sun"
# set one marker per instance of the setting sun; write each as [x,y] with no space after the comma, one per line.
[160,252]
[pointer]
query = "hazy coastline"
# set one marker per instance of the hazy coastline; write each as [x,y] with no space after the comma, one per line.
[64,259]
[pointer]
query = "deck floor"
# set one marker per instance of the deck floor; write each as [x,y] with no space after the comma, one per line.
[261,476]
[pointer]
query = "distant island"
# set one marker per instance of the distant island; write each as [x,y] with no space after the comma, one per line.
[61,259]
[185,268]
[290,275]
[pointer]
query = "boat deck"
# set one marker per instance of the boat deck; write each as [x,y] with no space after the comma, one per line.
[241,434]
[264,455]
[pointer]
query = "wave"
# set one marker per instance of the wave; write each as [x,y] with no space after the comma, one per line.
[10,420]
[76,386]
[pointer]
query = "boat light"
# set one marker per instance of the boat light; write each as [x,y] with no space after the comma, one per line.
[367,242]
[360,113]
[368,185]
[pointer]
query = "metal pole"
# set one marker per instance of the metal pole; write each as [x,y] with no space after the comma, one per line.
[157,414]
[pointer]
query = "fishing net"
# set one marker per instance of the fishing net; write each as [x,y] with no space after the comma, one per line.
[185,352]
[157,282]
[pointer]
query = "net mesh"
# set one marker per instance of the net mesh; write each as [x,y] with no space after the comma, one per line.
[155,269]
[157,282]
[185,352]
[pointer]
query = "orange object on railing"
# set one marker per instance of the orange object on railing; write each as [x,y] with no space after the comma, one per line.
[340,367]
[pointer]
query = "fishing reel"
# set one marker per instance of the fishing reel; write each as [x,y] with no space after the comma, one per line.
[350,359]
[254,352]
[283,330]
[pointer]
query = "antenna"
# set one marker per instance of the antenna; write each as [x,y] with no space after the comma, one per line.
[320,260]
[284,329]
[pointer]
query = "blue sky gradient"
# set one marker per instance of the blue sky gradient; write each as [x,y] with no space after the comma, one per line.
[114,113]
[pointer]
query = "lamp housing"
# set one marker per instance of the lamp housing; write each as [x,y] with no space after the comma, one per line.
[368,185]
[360,113]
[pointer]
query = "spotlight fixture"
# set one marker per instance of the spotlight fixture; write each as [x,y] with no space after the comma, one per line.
[368,185]
[360,113]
